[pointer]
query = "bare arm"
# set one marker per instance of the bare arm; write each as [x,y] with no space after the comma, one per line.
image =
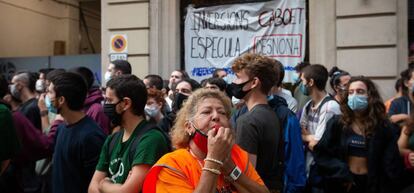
[309,138]
[403,142]
[219,148]
[4,165]
[208,180]
[98,176]
[133,183]
[42,107]
[399,117]
[244,184]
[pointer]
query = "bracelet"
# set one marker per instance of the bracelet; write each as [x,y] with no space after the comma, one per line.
[215,161]
[214,171]
[44,113]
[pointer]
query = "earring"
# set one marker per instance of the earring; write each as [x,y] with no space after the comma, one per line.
[190,134]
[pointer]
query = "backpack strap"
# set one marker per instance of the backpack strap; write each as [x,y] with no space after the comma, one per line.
[115,137]
[132,150]
[147,127]
[326,99]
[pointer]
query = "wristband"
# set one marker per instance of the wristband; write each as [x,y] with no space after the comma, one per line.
[214,161]
[214,171]
[235,174]
[44,113]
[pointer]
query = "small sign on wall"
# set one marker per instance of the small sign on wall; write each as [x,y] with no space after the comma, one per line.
[118,47]
[119,44]
[114,57]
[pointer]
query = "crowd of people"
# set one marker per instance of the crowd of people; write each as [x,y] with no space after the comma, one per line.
[61,132]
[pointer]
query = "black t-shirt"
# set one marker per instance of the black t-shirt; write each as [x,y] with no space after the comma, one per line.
[76,155]
[32,112]
[258,132]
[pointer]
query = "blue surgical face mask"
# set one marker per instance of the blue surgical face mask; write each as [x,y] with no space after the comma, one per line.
[49,105]
[357,102]
[227,79]
[270,97]
[151,110]
[295,77]
[304,89]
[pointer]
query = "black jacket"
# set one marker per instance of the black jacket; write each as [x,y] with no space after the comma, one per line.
[385,165]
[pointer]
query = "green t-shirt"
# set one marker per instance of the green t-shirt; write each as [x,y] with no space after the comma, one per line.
[8,138]
[150,148]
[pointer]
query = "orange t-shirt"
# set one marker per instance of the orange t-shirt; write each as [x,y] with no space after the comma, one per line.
[179,171]
[387,104]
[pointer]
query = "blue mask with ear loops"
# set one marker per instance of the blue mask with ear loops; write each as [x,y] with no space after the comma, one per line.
[357,102]
[304,89]
[49,105]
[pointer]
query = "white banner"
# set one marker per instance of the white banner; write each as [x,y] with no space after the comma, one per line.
[215,36]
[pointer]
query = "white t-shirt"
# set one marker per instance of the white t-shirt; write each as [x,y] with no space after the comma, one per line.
[291,102]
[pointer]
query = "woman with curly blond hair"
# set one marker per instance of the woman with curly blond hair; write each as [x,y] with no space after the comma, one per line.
[206,158]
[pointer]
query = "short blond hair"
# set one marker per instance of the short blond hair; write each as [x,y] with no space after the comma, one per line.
[179,136]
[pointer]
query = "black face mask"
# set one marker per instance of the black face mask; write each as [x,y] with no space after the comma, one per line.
[178,101]
[110,111]
[237,91]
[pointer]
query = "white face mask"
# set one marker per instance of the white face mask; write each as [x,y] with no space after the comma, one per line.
[40,86]
[107,76]
[235,100]
[14,92]
[151,110]
[227,79]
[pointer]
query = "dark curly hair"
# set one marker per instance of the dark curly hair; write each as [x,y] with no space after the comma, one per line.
[373,115]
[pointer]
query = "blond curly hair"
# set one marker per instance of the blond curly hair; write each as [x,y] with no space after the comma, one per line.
[179,136]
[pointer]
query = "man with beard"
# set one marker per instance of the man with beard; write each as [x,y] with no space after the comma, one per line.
[78,140]
[23,87]
[128,154]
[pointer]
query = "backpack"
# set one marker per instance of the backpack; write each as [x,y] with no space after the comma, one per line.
[326,99]
[291,159]
[147,127]
[315,179]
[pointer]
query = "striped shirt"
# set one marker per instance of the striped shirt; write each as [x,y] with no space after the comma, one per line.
[315,121]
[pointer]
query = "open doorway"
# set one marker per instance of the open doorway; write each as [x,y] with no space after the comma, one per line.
[410,31]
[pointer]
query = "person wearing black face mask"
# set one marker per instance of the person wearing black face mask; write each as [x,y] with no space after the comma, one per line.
[182,91]
[110,111]
[258,130]
[179,99]
[237,91]
[127,155]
